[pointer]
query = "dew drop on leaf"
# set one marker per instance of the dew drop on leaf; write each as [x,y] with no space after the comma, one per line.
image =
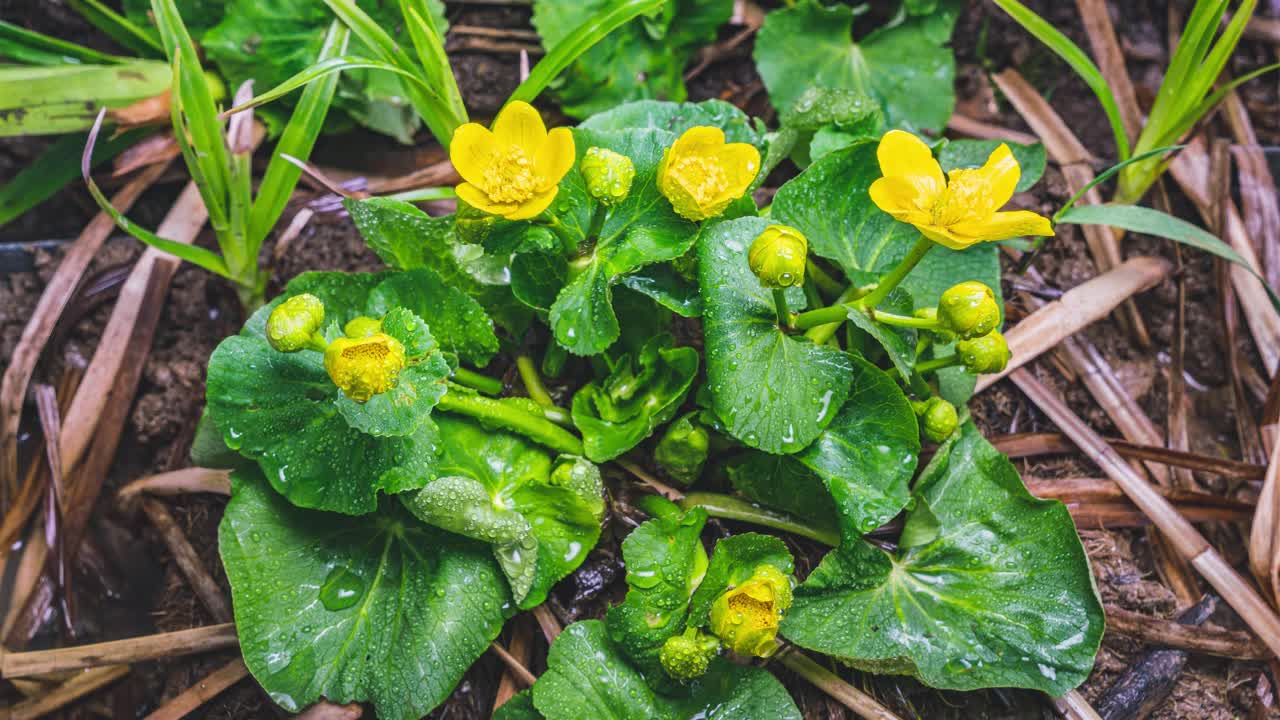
[341,589]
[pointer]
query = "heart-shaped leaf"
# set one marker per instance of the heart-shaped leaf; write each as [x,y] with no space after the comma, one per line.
[998,593]
[772,390]
[379,608]
[457,321]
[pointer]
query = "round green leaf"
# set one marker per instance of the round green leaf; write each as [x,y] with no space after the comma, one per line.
[457,321]
[773,391]
[379,608]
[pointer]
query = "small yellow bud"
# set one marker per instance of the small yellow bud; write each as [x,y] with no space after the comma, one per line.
[292,324]
[777,257]
[969,309]
[362,326]
[608,175]
[687,656]
[364,367]
[746,617]
[984,355]
[938,418]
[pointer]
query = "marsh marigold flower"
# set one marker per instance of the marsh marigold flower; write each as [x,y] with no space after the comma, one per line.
[746,617]
[513,170]
[701,174]
[956,210]
[364,367]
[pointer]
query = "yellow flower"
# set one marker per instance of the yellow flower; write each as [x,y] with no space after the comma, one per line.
[955,211]
[700,174]
[513,170]
[364,367]
[746,617]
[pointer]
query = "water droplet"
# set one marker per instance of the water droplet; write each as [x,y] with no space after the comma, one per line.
[341,589]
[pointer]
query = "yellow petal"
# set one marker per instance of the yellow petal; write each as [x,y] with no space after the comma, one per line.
[741,163]
[555,157]
[1005,225]
[905,155]
[476,198]
[472,151]
[520,124]
[947,237]
[1000,174]
[534,205]
[698,140]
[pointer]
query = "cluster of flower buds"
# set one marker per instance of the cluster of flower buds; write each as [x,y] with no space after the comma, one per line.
[688,655]
[746,617]
[969,311]
[364,363]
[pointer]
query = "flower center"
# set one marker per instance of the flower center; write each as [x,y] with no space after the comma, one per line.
[702,177]
[366,352]
[966,197]
[754,612]
[510,177]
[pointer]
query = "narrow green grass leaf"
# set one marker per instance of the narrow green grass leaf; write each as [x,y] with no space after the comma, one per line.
[33,48]
[54,169]
[590,32]
[316,72]
[1108,174]
[429,44]
[1078,60]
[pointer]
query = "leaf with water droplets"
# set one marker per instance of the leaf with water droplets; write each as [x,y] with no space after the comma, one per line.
[772,390]
[997,594]
[378,608]
[457,321]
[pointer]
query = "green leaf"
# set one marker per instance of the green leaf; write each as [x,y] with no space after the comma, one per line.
[772,390]
[905,66]
[665,562]
[641,230]
[29,47]
[734,562]
[282,410]
[677,117]
[830,204]
[898,342]
[139,37]
[868,454]
[457,320]
[379,608]
[543,517]
[57,99]
[642,59]
[55,168]
[1001,597]
[735,691]
[973,154]
[519,707]
[407,238]
[668,288]
[641,393]
[783,483]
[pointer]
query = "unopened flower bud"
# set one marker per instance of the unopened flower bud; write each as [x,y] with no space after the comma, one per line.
[969,309]
[608,175]
[777,257]
[687,656]
[746,617]
[362,326]
[682,451]
[984,355]
[292,324]
[938,418]
[364,367]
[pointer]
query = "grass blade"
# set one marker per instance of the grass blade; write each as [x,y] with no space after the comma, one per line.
[297,140]
[57,99]
[33,48]
[1108,173]
[138,39]
[429,44]
[56,167]
[1078,60]
[319,70]
[581,39]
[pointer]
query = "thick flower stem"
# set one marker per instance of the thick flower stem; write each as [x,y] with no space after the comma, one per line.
[731,508]
[905,321]
[598,217]
[533,382]
[929,366]
[476,381]
[897,274]
[511,417]
[833,315]
[780,307]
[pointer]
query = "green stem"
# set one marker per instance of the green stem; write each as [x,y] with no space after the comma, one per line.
[820,333]
[558,228]
[553,360]
[929,366]
[511,417]
[597,221]
[906,321]
[731,508]
[810,319]
[896,275]
[533,382]
[476,381]
[559,416]
[862,704]
[827,285]
[780,307]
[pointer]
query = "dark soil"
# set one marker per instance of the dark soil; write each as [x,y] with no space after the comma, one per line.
[138,588]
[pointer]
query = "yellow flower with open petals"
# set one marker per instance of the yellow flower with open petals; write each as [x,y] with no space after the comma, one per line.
[701,174]
[957,210]
[513,170]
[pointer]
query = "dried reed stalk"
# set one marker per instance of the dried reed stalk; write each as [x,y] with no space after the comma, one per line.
[986,131]
[202,692]
[1184,538]
[1168,633]
[179,482]
[1073,706]
[329,711]
[1106,48]
[1078,308]
[1257,189]
[1033,444]
[1264,536]
[148,647]
[550,625]
[68,692]
[202,583]
[517,668]
[522,651]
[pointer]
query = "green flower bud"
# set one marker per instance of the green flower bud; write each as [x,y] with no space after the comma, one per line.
[938,418]
[687,656]
[682,451]
[746,617]
[362,327]
[969,309]
[294,322]
[608,175]
[364,367]
[984,355]
[472,226]
[777,257]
